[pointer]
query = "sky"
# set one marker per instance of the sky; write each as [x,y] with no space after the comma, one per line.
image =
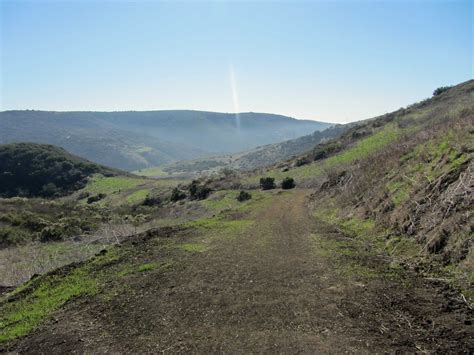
[335,61]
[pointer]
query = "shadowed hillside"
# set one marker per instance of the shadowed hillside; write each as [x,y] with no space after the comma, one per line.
[135,140]
[30,170]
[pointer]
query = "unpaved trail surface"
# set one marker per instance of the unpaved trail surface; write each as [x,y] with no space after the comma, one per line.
[267,288]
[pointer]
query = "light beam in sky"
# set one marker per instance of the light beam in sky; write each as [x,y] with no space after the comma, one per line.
[235,96]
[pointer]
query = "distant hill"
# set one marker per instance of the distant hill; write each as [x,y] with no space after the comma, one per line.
[136,140]
[33,170]
[259,157]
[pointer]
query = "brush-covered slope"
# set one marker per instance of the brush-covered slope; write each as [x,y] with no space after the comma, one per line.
[30,170]
[136,140]
[411,173]
[259,157]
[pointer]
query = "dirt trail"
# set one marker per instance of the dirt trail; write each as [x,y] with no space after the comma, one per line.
[264,290]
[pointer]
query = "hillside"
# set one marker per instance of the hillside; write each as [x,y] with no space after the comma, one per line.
[30,170]
[409,172]
[135,140]
[260,157]
[371,252]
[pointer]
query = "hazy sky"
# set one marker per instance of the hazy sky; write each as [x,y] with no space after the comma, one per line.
[335,61]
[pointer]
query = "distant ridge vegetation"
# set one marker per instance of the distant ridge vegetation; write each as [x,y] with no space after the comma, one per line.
[33,170]
[259,157]
[135,140]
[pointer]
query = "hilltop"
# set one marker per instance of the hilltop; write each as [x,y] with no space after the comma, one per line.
[135,140]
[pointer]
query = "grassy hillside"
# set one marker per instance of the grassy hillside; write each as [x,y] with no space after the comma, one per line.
[136,140]
[31,170]
[410,173]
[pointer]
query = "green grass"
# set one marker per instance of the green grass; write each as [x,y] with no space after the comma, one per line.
[19,318]
[137,196]
[193,247]
[147,267]
[124,190]
[360,150]
[49,293]
[400,191]
[151,172]
[113,184]
[366,147]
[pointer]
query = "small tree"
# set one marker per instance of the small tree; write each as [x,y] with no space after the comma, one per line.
[267,183]
[440,90]
[177,195]
[243,196]
[198,192]
[288,183]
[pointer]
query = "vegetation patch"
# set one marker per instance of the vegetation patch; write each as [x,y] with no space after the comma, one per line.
[147,267]
[137,196]
[400,191]
[112,184]
[193,247]
[18,318]
[41,296]
[30,169]
[151,172]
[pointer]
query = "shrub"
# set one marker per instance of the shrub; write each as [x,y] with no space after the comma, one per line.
[177,195]
[12,236]
[198,192]
[95,198]
[301,162]
[440,90]
[243,196]
[288,183]
[83,195]
[151,201]
[324,150]
[53,232]
[267,183]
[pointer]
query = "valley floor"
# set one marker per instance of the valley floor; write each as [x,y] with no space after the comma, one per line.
[273,278]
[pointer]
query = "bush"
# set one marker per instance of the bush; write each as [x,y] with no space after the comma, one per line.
[243,196]
[198,192]
[267,183]
[95,198]
[288,183]
[177,195]
[440,90]
[53,232]
[151,201]
[301,162]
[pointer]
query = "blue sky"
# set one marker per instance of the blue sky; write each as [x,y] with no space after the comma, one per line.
[335,61]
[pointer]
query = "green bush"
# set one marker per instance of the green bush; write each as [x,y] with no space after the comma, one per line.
[267,183]
[288,183]
[12,236]
[151,201]
[53,232]
[440,90]
[301,162]
[177,195]
[243,196]
[198,192]
[96,198]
